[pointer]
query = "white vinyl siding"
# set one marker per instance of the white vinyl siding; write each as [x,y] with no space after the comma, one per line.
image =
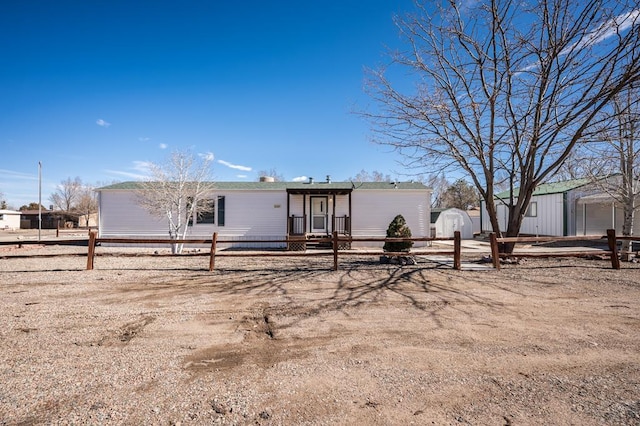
[549,219]
[121,216]
[9,219]
[373,211]
[262,214]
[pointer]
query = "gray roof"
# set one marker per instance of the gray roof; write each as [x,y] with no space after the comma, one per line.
[294,186]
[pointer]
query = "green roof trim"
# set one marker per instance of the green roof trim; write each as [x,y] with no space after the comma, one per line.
[283,186]
[550,188]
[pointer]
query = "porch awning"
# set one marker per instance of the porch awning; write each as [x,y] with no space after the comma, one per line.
[596,199]
[321,188]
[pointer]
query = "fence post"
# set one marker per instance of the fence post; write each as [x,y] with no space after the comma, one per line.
[495,252]
[212,252]
[335,250]
[91,251]
[457,249]
[613,246]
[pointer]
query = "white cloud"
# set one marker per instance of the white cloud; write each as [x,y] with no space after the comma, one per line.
[144,139]
[102,123]
[163,146]
[610,28]
[235,166]
[300,179]
[141,171]
[142,166]
[242,176]
[127,174]
[10,174]
[207,156]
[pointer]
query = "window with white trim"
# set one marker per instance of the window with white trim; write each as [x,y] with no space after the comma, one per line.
[532,210]
[210,210]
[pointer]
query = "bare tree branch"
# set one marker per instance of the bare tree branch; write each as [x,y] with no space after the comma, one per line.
[178,191]
[504,90]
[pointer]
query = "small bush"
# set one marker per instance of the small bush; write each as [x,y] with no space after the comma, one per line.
[398,229]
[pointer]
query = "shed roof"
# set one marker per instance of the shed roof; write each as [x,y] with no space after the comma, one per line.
[435,213]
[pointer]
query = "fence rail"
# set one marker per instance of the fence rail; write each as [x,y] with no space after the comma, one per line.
[611,237]
[335,241]
[336,246]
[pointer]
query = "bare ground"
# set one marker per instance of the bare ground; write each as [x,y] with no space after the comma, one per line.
[160,340]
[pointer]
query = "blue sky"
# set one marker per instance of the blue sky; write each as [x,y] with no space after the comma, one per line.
[95,89]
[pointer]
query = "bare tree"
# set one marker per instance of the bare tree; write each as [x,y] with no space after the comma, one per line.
[178,191]
[67,194]
[612,160]
[438,184]
[375,176]
[504,90]
[87,202]
[277,177]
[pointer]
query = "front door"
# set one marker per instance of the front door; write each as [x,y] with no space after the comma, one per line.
[319,214]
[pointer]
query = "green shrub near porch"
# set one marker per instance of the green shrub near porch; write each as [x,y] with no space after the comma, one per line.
[398,229]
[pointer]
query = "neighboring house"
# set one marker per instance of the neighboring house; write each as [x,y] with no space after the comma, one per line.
[474,214]
[9,219]
[447,221]
[573,207]
[90,220]
[277,210]
[30,219]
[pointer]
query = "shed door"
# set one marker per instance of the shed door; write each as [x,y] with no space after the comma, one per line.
[319,214]
[452,223]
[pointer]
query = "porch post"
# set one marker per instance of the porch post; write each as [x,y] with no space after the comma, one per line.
[288,212]
[304,213]
[350,216]
[333,216]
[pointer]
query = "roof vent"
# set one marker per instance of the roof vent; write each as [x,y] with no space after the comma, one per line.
[267,179]
[311,180]
[328,178]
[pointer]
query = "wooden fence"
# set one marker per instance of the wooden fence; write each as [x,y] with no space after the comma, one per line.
[334,240]
[612,245]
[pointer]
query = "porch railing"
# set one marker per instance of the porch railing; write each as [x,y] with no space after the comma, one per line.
[342,225]
[297,225]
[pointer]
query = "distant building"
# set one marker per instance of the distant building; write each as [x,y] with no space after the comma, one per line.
[9,219]
[29,219]
[567,208]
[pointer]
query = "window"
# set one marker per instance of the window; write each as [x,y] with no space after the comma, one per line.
[532,210]
[207,213]
[1,216]
[221,210]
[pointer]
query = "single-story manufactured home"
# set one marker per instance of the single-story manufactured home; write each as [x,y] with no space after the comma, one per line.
[568,208]
[9,219]
[276,210]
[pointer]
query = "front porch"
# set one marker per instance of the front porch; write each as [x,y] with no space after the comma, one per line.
[315,212]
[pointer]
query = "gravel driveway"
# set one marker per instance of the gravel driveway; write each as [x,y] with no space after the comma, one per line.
[160,340]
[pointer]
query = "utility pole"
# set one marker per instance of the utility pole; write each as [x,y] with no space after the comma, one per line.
[39,199]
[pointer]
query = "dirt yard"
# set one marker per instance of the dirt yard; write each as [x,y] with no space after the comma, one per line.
[160,340]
